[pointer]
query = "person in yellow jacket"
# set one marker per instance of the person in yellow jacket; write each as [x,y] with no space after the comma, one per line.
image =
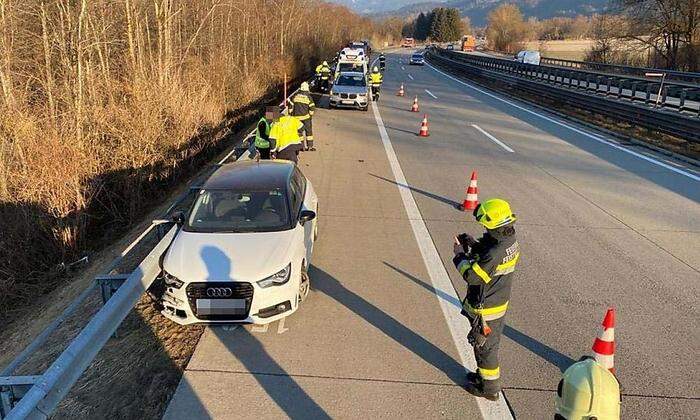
[587,391]
[285,138]
[375,82]
[303,107]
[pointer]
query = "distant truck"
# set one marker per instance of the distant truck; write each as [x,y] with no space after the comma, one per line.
[468,43]
[408,43]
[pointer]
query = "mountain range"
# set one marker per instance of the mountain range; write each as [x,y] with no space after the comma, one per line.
[477,10]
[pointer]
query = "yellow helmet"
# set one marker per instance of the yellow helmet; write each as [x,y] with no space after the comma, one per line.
[588,391]
[304,87]
[494,213]
[325,63]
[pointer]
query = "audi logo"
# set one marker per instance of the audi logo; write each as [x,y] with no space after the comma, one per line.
[219,292]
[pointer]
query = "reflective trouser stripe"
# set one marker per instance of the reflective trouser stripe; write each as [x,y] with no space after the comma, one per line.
[463,267]
[488,314]
[481,273]
[490,374]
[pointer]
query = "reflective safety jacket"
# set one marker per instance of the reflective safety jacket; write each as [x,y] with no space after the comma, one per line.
[285,133]
[302,106]
[375,79]
[325,72]
[488,271]
[318,69]
[262,134]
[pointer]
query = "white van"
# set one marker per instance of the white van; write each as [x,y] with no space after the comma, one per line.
[528,57]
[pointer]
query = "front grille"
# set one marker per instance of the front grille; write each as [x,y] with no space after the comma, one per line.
[239,290]
[343,96]
[353,95]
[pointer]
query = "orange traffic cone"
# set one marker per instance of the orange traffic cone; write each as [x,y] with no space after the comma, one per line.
[414,108]
[604,344]
[423,132]
[401,92]
[472,199]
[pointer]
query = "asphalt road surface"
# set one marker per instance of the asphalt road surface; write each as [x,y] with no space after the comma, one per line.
[600,224]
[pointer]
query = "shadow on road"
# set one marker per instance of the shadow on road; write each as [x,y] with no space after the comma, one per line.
[394,329]
[428,194]
[542,350]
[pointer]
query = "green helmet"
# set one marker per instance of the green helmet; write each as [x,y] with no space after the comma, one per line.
[588,391]
[494,213]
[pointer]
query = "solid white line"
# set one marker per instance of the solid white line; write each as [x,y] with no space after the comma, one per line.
[410,77]
[572,128]
[430,93]
[494,139]
[444,290]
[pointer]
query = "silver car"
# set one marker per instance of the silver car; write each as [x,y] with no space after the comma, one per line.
[350,90]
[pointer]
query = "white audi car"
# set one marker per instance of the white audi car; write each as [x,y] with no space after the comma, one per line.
[243,249]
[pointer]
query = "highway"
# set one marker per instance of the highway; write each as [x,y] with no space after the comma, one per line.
[600,224]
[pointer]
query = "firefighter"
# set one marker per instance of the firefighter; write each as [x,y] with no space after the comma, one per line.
[325,76]
[375,82]
[303,109]
[285,138]
[382,62]
[487,265]
[586,391]
[262,132]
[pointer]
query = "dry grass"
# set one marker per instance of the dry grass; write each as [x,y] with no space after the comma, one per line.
[104,104]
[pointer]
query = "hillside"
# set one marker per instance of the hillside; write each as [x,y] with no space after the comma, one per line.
[478,10]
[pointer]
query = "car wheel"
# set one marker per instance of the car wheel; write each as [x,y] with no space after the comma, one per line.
[304,286]
[365,108]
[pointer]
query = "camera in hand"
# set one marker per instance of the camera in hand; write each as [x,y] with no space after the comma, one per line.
[466,241]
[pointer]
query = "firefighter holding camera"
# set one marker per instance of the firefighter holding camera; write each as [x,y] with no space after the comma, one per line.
[487,265]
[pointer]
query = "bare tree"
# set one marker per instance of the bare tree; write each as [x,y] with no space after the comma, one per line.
[506,29]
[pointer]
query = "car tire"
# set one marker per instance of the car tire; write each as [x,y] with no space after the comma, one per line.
[304,286]
[365,108]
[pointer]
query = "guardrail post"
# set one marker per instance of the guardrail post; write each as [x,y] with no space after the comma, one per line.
[681,100]
[647,98]
[620,84]
[12,389]
[664,93]
[633,94]
[109,284]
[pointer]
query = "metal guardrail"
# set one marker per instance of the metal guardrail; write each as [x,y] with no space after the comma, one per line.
[681,97]
[528,79]
[683,76]
[36,396]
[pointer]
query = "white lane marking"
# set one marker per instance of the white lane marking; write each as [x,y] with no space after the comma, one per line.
[410,77]
[494,139]
[403,68]
[430,93]
[572,128]
[444,290]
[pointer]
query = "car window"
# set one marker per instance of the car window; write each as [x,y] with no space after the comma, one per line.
[295,197]
[351,80]
[238,211]
[344,67]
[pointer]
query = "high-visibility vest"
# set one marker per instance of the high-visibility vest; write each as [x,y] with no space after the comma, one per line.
[375,79]
[286,132]
[261,140]
[318,69]
[325,72]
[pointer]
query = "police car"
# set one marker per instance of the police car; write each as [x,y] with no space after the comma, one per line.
[243,248]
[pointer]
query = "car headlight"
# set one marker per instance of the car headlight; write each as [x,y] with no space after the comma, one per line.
[172,281]
[277,279]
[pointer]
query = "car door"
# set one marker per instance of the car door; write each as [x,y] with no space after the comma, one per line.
[302,200]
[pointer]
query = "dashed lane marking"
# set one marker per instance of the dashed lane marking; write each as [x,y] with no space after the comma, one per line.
[444,289]
[494,139]
[591,136]
[430,93]
[410,77]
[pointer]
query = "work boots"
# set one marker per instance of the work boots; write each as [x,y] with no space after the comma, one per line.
[475,386]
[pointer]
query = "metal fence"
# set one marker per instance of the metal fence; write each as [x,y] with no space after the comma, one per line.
[530,80]
[682,76]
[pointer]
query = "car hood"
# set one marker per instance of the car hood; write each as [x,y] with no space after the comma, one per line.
[349,89]
[229,256]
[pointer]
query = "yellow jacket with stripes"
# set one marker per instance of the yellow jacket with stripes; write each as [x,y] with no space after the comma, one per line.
[488,271]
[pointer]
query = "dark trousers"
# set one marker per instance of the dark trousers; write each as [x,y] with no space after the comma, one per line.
[264,152]
[308,133]
[290,153]
[487,356]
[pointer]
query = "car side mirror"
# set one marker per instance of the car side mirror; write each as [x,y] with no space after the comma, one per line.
[306,215]
[179,217]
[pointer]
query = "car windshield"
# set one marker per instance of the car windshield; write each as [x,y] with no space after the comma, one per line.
[342,67]
[351,80]
[416,56]
[238,211]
